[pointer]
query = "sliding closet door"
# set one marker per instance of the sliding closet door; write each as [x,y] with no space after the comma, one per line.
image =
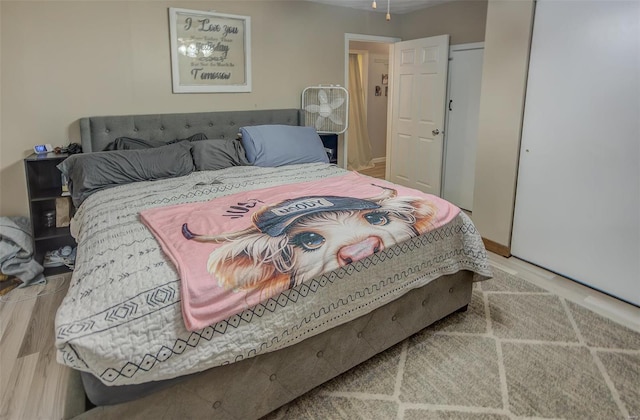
[578,200]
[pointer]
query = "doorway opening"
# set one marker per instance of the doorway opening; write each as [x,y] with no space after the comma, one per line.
[373,54]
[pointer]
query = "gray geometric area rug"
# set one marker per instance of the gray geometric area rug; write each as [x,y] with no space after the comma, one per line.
[518,352]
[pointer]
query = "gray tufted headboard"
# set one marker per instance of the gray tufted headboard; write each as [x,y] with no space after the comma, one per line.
[97,132]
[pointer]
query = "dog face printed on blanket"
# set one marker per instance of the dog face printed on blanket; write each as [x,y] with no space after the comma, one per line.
[295,240]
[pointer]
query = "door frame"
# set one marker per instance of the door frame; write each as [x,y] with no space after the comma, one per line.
[348,37]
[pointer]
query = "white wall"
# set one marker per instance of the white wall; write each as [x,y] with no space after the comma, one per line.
[578,200]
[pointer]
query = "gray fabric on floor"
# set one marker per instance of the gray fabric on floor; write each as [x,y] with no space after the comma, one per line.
[16,251]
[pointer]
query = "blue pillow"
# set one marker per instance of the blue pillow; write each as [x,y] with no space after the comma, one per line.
[277,145]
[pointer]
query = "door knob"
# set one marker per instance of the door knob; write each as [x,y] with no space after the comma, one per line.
[435,132]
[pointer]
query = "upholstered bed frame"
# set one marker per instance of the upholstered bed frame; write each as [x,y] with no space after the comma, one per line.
[97,132]
[254,387]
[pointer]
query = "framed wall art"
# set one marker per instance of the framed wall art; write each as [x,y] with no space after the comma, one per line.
[210,52]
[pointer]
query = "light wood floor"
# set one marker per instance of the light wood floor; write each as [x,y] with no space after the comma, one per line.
[32,384]
[377,171]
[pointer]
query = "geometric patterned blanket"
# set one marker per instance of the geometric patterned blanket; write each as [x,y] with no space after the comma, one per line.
[121,319]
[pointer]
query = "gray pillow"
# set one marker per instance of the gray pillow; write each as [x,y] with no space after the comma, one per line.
[91,172]
[195,137]
[277,145]
[210,155]
[129,143]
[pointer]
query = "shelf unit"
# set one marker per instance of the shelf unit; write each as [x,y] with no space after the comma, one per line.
[44,186]
[330,142]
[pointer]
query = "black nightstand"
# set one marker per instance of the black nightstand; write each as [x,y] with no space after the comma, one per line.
[44,186]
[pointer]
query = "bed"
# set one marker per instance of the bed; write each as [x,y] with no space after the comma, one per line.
[137,320]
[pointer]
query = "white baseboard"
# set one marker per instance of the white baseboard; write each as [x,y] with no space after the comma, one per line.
[379,160]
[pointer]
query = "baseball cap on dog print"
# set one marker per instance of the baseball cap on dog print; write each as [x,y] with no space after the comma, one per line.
[276,219]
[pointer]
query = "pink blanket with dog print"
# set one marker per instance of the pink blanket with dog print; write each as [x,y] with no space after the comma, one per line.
[236,251]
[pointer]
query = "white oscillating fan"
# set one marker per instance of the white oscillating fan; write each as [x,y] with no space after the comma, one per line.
[326,108]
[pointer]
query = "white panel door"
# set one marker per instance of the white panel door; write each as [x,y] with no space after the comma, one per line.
[419,80]
[577,207]
[461,136]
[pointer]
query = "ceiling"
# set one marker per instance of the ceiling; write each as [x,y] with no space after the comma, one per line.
[397,7]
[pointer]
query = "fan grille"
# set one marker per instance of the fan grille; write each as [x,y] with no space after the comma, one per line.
[326,108]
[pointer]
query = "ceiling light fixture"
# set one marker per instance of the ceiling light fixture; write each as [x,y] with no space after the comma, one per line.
[374,5]
[388,14]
